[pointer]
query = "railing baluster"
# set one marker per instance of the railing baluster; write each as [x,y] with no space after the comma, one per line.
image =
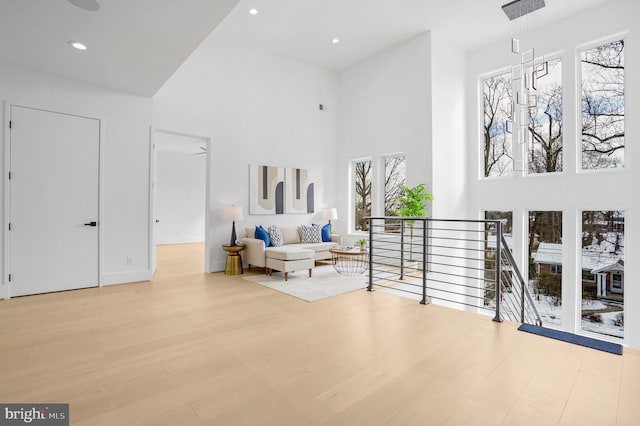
[371,224]
[424,262]
[498,284]
[402,251]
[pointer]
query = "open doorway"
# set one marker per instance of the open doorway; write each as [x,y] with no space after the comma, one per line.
[179,202]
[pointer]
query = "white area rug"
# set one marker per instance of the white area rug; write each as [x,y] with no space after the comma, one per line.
[324,282]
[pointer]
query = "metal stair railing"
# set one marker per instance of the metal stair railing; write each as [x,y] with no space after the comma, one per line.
[453,261]
[516,287]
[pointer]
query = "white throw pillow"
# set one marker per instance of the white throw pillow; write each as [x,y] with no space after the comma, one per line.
[311,234]
[275,235]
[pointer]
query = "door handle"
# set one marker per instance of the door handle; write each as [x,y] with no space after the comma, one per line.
[157,221]
[91,224]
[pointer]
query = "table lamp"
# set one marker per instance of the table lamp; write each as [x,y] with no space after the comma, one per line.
[330,214]
[233,213]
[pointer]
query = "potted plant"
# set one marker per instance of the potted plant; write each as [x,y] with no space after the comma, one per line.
[363,243]
[413,204]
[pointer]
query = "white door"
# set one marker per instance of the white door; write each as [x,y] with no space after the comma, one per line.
[53,201]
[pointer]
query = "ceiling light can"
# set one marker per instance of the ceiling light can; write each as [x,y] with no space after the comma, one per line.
[253,11]
[77,45]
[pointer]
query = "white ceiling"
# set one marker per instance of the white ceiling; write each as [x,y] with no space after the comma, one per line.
[135,45]
[303,29]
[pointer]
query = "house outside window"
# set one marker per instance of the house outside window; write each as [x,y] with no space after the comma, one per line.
[545,264]
[603,243]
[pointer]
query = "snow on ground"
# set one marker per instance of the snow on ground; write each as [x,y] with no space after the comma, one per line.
[606,326]
[551,314]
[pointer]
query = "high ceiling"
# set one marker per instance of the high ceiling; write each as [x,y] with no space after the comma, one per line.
[135,45]
[303,29]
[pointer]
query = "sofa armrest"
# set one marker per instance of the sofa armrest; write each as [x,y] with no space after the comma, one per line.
[335,238]
[254,252]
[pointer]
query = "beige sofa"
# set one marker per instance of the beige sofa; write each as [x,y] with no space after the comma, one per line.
[255,252]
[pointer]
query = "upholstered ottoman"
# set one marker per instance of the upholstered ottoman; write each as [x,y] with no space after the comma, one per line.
[287,259]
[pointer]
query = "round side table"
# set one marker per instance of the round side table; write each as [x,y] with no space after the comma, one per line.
[349,261]
[234,259]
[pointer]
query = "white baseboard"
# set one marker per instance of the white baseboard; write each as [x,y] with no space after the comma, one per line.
[217,266]
[126,277]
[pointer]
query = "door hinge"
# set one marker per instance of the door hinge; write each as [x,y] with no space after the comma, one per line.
[10,124]
[9,226]
[9,277]
[9,175]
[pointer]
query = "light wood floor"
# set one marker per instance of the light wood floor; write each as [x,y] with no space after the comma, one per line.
[192,348]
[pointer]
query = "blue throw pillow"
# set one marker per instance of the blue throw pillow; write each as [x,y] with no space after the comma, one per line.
[326,233]
[263,235]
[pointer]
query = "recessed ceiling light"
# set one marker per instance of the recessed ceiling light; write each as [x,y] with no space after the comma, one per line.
[335,41]
[77,45]
[253,11]
[90,5]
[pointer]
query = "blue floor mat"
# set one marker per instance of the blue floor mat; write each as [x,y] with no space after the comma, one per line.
[613,348]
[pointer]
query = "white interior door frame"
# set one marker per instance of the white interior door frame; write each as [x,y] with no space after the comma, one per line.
[152,181]
[7,104]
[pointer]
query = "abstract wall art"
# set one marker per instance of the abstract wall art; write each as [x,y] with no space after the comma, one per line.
[266,190]
[299,191]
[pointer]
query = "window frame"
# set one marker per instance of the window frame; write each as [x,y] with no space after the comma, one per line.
[624,36]
[480,142]
[352,190]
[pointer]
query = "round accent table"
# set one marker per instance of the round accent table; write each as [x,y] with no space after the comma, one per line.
[349,260]
[234,259]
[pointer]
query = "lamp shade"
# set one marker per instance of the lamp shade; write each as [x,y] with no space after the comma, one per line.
[330,214]
[233,213]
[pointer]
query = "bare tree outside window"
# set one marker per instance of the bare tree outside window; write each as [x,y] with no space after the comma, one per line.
[362,194]
[394,179]
[497,99]
[545,122]
[603,106]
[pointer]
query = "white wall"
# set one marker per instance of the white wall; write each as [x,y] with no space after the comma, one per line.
[125,120]
[180,194]
[385,108]
[570,191]
[257,109]
[448,68]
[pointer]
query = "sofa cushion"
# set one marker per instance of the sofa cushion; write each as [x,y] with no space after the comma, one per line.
[288,253]
[290,235]
[263,235]
[310,234]
[326,233]
[276,236]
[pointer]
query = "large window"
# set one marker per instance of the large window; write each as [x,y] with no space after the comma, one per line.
[545,264]
[603,272]
[603,142]
[394,180]
[490,247]
[362,187]
[545,121]
[497,101]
